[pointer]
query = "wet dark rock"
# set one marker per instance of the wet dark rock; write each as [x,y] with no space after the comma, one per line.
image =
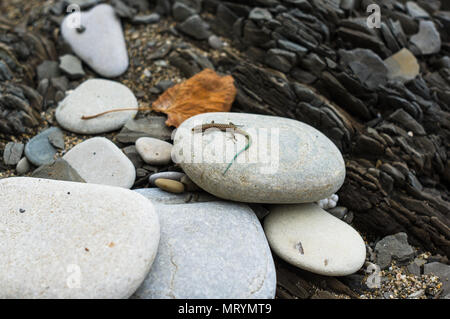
[401,118]
[258,14]
[293,47]
[393,247]
[123,10]
[195,27]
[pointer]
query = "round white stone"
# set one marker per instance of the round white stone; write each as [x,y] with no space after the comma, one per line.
[100,161]
[154,151]
[209,250]
[102,44]
[308,237]
[93,97]
[72,240]
[287,162]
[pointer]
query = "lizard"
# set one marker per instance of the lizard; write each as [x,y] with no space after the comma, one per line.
[224,127]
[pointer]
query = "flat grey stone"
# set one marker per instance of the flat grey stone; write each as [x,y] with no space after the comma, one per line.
[195,27]
[210,250]
[56,138]
[158,196]
[58,170]
[64,240]
[38,150]
[92,97]
[12,153]
[146,19]
[299,164]
[308,237]
[154,126]
[176,176]
[99,161]
[428,40]
[47,70]
[393,247]
[102,44]
[71,66]
[181,12]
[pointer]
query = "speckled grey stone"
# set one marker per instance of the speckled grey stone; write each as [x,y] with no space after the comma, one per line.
[210,250]
[73,240]
[100,161]
[92,97]
[308,237]
[102,44]
[38,150]
[428,40]
[301,164]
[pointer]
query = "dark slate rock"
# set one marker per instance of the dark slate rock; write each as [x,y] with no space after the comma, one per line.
[161,51]
[123,10]
[5,72]
[281,60]
[164,85]
[405,120]
[12,153]
[58,170]
[48,70]
[146,19]
[133,156]
[293,47]
[71,66]
[145,127]
[195,27]
[38,150]
[313,63]
[393,247]
[366,65]
[181,12]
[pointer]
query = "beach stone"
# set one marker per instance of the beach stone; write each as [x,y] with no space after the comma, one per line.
[175,176]
[154,151]
[23,166]
[12,153]
[71,66]
[154,126]
[56,138]
[195,27]
[71,240]
[443,272]
[38,150]
[198,255]
[402,66]
[93,97]
[99,161]
[58,170]
[393,247]
[170,186]
[416,11]
[300,165]
[308,237]
[158,196]
[102,44]
[428,40]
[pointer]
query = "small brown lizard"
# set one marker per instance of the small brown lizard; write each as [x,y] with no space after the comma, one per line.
[224,128]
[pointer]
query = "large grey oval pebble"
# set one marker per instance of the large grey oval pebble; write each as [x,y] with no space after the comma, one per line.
[39,151]
[100,161]
[93,97]
[299,164]
[72,240]
[102,44]
[308,237]
[210,250]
